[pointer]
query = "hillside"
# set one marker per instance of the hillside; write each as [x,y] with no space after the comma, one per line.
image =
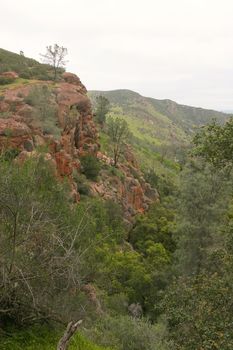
[161,128]
[125,229]
[187,118]
[74,210]
[27,68]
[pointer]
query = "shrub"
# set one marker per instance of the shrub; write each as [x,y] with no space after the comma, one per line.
[81,181]
[25,75]
[117,172]
[126,333]
[90,166]
[39,274]
[42,99]
[6,80]
[11,154]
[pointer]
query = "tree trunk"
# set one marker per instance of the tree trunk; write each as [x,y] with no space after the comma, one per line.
[69,332]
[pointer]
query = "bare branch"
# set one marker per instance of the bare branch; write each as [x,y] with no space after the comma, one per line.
[69,332]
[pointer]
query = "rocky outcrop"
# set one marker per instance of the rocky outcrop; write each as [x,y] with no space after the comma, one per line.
[20,128]
[11,75]
[23,130]
[126,186]
[15,134]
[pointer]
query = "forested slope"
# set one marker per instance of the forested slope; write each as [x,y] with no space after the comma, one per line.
[99,223]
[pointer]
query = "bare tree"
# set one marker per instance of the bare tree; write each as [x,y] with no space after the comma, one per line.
[55,56]
[119,133]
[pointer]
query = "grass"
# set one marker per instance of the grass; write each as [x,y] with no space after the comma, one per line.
[42,338]
[17,83]
[26,67]
[155,137]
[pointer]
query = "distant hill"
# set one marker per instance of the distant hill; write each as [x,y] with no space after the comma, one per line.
[159,126]
[185,117]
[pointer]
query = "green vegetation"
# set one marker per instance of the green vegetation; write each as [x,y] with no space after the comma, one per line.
[27,68]
[198,303]
[127,333]
[17,83]
[6,80]
[161,129]
[157,142]
[51,249]
[214,143]
[164,282]
[118,131]
[42,338]
[102,108]
[44,112]
[90,166]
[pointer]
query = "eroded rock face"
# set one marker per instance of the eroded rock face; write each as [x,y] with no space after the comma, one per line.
[20,130]
[74,80]
[15,134]
[75,116]
[128,187]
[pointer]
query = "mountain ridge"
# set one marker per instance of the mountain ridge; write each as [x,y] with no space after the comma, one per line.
[164,106]
[161,129]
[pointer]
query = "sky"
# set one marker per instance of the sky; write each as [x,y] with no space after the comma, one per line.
[168,49]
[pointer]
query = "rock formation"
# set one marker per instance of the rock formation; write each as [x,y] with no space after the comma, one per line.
[21,130]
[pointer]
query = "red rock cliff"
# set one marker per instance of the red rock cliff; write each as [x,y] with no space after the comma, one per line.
[20,130]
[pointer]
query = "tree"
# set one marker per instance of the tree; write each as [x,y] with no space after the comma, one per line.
[201,205]
[198,308]
[199,311]
[90,166]
[214,143]
[43,242]
[119,133]
[102,109]
[55,56]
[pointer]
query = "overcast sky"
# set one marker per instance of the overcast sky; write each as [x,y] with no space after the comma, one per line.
[176,49]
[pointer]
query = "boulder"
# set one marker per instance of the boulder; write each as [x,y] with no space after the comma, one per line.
[71,78]
[11,75]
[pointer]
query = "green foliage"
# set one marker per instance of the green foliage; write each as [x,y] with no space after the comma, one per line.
[6,80]
[90,166]
[198,310]
[44,243]
[102,108]
[43,338]
[82,184]
[165,184]
[152,178]
[126,333]
[166,114]
[203,199]
[198,304]
[112,171]
[10,154]
[214,143]
[157,226]
[44,112]
[27,68]
[118,131]
[122,271]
